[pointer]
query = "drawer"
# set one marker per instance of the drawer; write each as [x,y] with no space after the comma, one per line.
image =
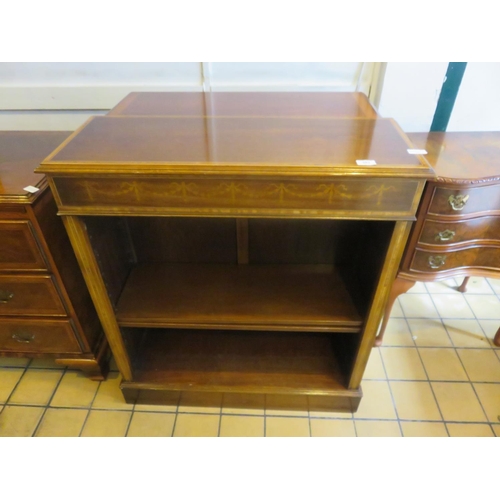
[19,250]
[257,197]
[451,233]
[37,336]
[457,202]
[29,295]
[435,262]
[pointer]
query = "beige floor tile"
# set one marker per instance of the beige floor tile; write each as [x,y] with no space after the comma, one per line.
[47,363]
[397,333]
[495,284]
[418,287]
[458,402]
[424,429]
[9,377]
[442,364]
[287,427]
[374,428]
[102,423]
[490,327]
[415,401]
[332,428]
[61,422]
[418,306]
[482,365]
[452,306]
[444,286]
[19,421]
[13,362]
[168,401]
[489,395]
[470,430]
[36,387]
[248,404]
[196,425]
[496,429]
[145,424]
[402,363]
[374,368]
[75,390]
[396,311]
[285,405]
[109,396]
[241,426]
[429,333]
[466,333]
[479,285]
[376,401]
[484,306]
[200,402]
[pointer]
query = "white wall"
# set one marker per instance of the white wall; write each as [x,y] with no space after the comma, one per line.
[61,96]
[477,107]
[410,93]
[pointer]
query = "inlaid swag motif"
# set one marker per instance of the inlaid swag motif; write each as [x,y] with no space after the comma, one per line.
[234,191]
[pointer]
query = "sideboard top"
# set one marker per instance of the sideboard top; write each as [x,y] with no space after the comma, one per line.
[240,145]
[20,153]
[284,104]
[461,157]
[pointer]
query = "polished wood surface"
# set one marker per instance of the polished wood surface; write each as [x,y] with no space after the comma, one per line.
[30,295]
[19,249]
[269,104]
[457,232]
[45,309]
[276,179]
[457,203]
[20,154]
[452,234]
[277,142]
[262,362]
[256,297]
[468,157]
[20,335]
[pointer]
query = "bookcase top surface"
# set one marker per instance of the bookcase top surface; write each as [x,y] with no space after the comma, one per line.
[309,144]
[284,104]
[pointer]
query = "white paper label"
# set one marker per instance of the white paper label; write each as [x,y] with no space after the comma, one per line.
[417,151]
[31,189]
[365,162]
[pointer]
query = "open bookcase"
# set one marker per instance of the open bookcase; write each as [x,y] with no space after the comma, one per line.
[239,254]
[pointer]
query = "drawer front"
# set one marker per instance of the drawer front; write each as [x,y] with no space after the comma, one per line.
[19,250]
[29,295]
[41,336]
[451,233]
[369,198]
[435,262]
[457,202]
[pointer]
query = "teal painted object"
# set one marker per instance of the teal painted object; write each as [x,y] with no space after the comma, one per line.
[449,91]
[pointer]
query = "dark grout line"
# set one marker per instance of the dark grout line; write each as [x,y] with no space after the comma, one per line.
[89,409]
[48,403]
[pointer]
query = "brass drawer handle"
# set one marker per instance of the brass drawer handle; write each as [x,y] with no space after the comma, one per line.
[458,202]
[436,261]
[445,235]
[23,338]
[5,296]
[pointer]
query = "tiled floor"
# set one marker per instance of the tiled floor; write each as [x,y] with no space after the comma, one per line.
[437,374]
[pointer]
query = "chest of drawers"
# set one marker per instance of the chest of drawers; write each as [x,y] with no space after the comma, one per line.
[457,232]
[45,308]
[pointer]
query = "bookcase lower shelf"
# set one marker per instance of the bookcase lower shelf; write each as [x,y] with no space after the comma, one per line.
[245,362]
